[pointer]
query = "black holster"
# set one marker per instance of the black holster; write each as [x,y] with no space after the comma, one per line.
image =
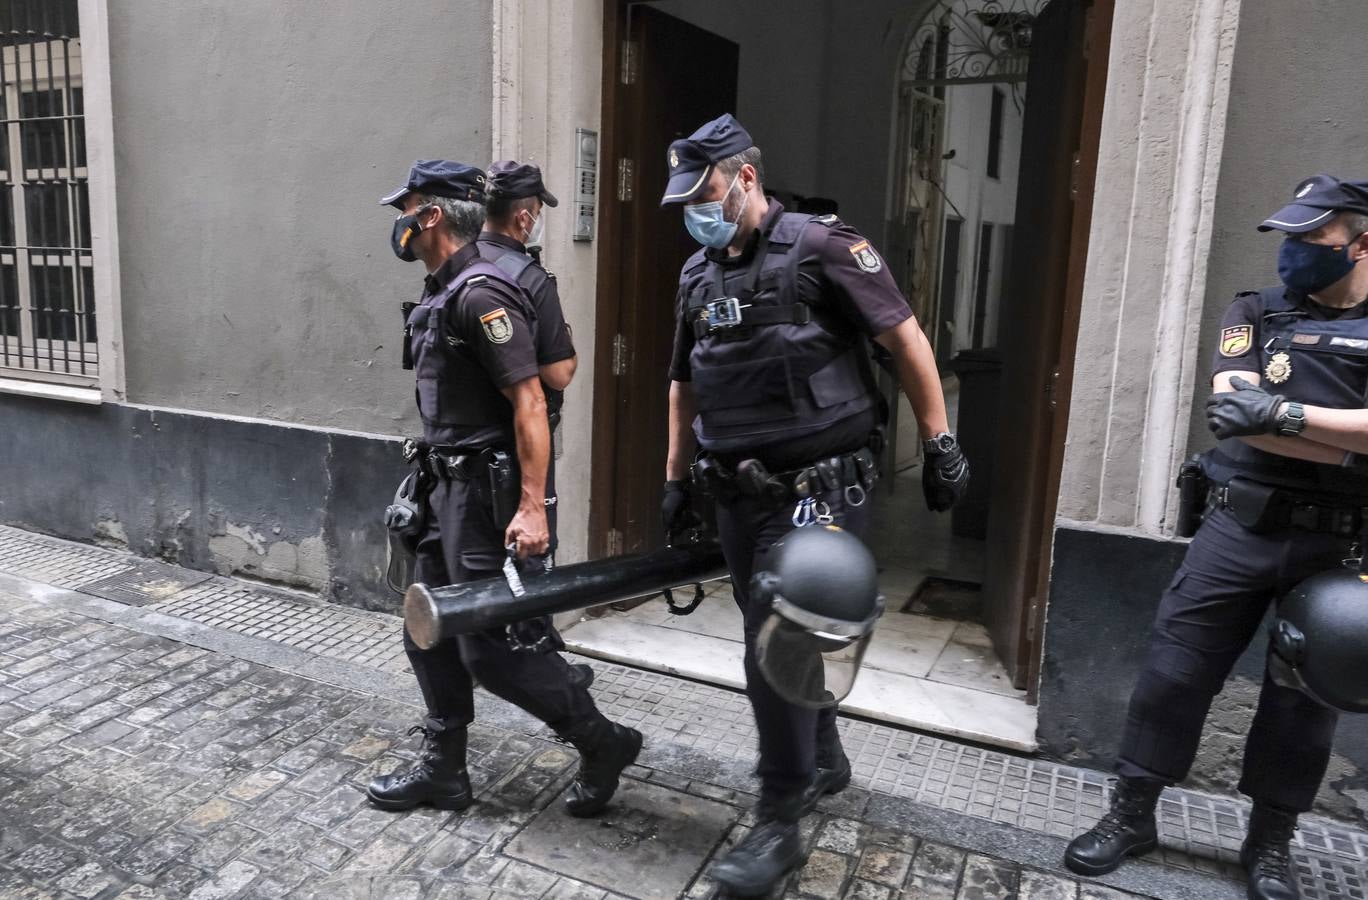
[505,487]
[1193,486]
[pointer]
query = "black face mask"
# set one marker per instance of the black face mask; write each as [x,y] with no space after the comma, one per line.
[406,229]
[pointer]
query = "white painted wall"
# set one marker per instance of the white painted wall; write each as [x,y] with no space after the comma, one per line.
[977,197]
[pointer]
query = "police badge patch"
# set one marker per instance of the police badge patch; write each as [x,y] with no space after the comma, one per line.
[1236,340]
[497,326]
[674,159]
[866,258]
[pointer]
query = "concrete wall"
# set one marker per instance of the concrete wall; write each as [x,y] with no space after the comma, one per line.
[285,504]
[252,141]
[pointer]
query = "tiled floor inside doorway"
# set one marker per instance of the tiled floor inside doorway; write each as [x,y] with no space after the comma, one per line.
[933,672]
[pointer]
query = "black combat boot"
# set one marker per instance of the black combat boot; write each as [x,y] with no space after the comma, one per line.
[606,748]
[438,777]
[833,769]
[772,849]
[1128,829]
[1266,855]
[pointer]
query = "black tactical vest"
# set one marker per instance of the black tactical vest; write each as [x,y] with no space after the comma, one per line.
[771,360]
[454,391]
[515,265]
[1328,367]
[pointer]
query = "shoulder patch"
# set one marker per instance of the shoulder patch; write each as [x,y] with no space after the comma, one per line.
[498,327]
[1236,340]
[865,257]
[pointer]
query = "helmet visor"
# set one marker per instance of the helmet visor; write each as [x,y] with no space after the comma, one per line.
[400,564]
[814,669]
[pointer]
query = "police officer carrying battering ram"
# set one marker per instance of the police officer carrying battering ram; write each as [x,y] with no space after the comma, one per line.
[1287,488]
[470,341]
[515,221]
[771,379]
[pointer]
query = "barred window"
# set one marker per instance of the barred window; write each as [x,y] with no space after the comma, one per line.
[47,303]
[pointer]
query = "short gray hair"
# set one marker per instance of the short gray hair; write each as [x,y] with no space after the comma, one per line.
[464,218]
[732,164]
[1356,222]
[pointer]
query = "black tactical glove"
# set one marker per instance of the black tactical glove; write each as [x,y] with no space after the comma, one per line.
[945,472]
[676,509]
[1247,410]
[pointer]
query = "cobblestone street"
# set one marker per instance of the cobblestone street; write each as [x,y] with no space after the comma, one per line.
[147,753]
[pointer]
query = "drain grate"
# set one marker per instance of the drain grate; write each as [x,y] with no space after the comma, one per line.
[147,582]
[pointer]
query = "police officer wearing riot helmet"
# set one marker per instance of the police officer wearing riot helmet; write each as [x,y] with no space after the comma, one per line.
[1288,488]
[515,221]
[469,340]
[770,377]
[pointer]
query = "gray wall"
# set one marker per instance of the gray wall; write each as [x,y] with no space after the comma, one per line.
[1293,112]
[286,504]
[252,141]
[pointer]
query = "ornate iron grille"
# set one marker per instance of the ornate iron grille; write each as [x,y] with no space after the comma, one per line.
[47,303]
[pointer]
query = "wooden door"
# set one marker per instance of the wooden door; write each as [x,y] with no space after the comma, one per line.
[663,78]
[1038,326]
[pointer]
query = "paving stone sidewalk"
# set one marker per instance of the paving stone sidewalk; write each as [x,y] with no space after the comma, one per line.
[145,753]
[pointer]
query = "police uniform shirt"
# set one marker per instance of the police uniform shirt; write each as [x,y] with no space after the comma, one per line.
[1239,346]
[503,362]
[554,340]
[848,276]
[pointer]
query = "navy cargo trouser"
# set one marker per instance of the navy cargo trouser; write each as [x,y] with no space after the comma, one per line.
[789,734]
[462,544]
[1207,617]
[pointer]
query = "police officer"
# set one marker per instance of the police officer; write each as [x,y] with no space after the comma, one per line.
[515,221]
[470,341]
[1288,489]
[770,377]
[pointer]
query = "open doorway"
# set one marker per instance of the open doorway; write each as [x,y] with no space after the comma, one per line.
[943,131]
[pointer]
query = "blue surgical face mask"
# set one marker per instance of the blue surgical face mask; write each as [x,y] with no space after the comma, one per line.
[1311,268]
[707,222]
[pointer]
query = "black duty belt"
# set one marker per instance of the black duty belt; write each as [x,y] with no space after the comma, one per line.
[445,462]
[854,473]
[1288,510]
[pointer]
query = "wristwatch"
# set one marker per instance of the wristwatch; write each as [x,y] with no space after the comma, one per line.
[1293,421]
[938,444]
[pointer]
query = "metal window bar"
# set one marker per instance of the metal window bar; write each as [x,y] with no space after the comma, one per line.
[47,305]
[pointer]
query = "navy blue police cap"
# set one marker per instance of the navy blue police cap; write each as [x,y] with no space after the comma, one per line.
[692,159]
[1315,201]
[440,178]
[514,180]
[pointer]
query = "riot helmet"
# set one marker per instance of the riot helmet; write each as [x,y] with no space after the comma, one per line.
[822,588]
[405,520]
[1319,640]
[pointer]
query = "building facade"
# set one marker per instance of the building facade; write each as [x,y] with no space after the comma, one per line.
[214,376]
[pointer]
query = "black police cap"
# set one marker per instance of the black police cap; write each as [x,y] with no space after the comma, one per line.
[1315,201]
[440,178]
[692,159]
[513,180]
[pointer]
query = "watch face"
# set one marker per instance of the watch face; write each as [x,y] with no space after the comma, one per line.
[941,443]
